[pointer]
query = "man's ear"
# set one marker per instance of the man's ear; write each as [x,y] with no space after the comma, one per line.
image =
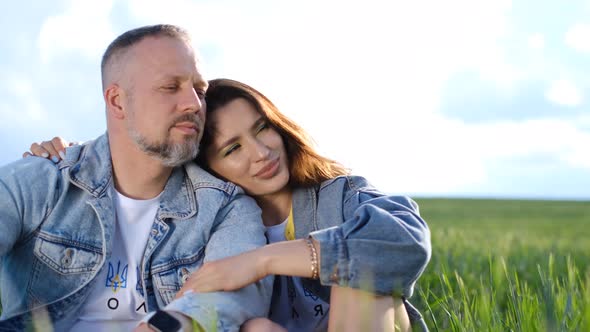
[113,97]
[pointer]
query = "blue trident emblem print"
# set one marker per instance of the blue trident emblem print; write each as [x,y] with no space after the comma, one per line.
[117,280]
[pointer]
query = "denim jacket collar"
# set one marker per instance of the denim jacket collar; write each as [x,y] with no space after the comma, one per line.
[178,199]
[92,171]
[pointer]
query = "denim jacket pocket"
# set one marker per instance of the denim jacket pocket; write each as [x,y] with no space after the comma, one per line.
[169,277]
[66,256]
[70,263]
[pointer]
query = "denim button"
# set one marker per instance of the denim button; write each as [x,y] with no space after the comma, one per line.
[334,277]
[154,232]
[184,275]
[66,260]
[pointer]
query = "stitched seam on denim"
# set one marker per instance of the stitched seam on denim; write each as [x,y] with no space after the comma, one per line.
[164,289]
[314,198]
[64,164]
[419,273]
[178,262]
[174,215]
[226,187]
[188,192]
[167,294]
[60,240]
[57,268]
[94,191]
[35,271]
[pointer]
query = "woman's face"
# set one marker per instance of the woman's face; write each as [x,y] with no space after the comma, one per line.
[246,150]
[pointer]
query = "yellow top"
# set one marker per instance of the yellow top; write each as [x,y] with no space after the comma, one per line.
[290,228]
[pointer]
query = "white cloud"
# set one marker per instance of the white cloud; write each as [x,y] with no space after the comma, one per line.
[564,92]
[84,27]
[583,121]
[548,136]
[578,37]
[439,156]
[331,48]
[536,41]
[24,108]
[364,79]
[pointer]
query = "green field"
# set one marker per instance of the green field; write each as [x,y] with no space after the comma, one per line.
[506,265]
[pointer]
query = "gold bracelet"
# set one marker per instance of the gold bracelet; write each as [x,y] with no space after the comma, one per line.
[315,273]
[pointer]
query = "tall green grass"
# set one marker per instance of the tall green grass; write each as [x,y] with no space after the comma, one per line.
[506,265]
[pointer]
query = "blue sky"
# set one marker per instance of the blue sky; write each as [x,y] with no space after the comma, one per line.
[454,98]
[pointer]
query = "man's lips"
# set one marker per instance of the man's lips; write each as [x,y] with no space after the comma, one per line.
[269,169]
[187,127]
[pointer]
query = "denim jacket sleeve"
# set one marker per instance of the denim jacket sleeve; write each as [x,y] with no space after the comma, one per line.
[25,198]
[239,228]
[382,245]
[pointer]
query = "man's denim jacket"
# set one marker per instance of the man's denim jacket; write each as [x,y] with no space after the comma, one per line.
[57,224]
[368,240]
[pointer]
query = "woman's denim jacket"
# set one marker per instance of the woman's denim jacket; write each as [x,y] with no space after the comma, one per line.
[368,240]
[57,224]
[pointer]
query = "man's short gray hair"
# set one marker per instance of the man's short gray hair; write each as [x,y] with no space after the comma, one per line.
[132,37]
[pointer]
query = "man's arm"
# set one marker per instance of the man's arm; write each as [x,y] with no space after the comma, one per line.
[25,193]
[239,229]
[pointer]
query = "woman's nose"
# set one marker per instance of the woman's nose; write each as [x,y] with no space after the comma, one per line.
[261,150]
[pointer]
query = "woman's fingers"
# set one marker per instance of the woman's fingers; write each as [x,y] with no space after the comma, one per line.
[59,145]
[191,283]
[208,278]
[226,274]
[39,151]
[54,152]
[53,149]
[202,281]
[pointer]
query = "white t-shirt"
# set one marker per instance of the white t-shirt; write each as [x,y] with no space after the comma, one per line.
[297,309]
[116,303]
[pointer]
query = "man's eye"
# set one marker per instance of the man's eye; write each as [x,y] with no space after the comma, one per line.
[171,87]
[231,150]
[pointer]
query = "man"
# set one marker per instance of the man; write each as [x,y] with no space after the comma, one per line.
[113,231]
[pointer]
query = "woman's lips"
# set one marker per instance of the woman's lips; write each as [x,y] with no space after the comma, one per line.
[269,170]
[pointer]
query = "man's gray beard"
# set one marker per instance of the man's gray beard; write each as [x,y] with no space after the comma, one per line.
[171,155]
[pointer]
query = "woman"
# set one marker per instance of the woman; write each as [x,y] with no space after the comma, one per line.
[344,236]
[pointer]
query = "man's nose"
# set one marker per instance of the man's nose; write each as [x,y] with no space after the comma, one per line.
[191,100]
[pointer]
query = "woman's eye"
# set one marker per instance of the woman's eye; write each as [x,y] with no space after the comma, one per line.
[231,149]
[200,93]
[262,127]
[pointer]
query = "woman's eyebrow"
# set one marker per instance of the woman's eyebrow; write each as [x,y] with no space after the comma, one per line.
[235,138]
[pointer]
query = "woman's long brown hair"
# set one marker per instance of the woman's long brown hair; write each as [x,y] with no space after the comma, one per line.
[306,166]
